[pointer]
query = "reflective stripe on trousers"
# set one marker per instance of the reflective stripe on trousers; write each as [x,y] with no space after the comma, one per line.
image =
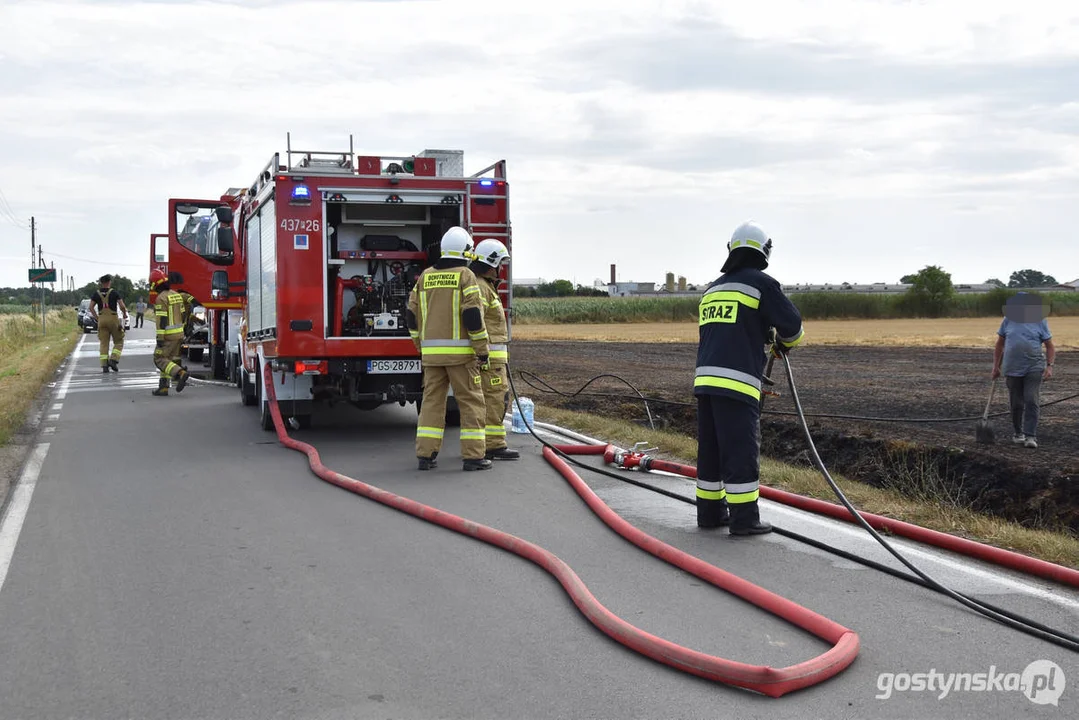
[710,490]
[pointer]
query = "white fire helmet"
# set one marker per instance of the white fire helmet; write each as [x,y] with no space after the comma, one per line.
[751,235]
[492,252]
[457,243]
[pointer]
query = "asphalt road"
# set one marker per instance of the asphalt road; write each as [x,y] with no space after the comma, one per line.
[171,560]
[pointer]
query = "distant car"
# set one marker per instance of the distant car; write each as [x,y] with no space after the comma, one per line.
[87,322]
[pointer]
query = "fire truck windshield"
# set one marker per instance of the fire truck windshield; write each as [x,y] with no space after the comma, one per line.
[197,231]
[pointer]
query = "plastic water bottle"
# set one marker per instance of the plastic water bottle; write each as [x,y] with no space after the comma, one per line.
[518,424]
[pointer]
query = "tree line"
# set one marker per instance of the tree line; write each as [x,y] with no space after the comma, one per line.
[1018,279]
[558,288]
[931,290]
[129,290]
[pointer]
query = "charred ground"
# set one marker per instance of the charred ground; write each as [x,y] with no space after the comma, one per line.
[1038,488]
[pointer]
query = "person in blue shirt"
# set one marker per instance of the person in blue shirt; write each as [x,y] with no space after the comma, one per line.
[737,314]
[1018,356]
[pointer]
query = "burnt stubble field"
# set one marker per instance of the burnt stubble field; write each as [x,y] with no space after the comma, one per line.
[1038,488]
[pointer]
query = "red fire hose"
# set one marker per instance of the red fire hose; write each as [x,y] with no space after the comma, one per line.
[773,682]
[970,548]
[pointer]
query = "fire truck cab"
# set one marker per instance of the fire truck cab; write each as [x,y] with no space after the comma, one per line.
[333,243]
[203,260]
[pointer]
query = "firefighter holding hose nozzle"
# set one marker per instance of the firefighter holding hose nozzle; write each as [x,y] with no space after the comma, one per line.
[445,320]
[490,256]
[737,314]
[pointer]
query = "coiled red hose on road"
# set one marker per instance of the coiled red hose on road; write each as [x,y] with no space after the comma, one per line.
[773,682]
[970,548]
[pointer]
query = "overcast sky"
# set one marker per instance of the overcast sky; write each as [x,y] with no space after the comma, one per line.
[870,138]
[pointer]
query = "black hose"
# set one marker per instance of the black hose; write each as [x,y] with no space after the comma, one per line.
[1056,637]
[1006,617]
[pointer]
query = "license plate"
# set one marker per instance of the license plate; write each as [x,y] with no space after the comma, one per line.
[383,367]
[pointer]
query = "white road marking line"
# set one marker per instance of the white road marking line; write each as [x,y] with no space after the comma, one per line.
[58,406]
[49,430]
[53,417]
[1048,592]
[61,393]
[11,523]
[927,552]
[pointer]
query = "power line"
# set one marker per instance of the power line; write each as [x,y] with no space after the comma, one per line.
[95,262]
[8,213]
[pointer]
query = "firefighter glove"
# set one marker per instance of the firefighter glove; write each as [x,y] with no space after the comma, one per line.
[160,343]
[779,349]
[483,359]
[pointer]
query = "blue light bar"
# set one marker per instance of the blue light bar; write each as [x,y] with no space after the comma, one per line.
[301,193]
[487,183]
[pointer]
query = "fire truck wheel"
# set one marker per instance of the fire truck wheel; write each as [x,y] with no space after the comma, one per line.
[265,418]
[218,370]
[248,394]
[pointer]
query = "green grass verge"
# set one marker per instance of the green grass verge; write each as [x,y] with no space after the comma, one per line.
[28,359]
[929,510]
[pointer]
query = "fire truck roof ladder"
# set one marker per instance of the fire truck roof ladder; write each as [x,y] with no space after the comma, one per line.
[318,160]
[498,230]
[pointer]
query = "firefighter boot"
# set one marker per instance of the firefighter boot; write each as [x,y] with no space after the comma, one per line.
[480,464]
[181,380]
[712,514]
[162,388]
[114,365]
[429,463]
[746,520]
[502,453]
[104,368]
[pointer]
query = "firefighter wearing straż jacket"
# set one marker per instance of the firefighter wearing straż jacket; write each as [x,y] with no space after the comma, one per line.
[171,311]
[445,320]
[737,314]
[490,256]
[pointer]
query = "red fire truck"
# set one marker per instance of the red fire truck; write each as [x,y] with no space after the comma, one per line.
[332,243]
[201,256]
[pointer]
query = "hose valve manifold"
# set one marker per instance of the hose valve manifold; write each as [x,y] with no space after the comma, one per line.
[635,457]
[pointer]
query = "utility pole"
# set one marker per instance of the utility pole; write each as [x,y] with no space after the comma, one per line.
[40,264]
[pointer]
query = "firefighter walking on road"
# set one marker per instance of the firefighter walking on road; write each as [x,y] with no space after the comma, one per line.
[171,311]
[445,320]
[737,313]
[105,307]
[490,256]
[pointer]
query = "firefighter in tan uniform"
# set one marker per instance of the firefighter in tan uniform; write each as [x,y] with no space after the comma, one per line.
[171,310]
[105,307]
[490,256]
[445,320]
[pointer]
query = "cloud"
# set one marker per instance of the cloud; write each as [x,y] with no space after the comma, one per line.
[623,123]
[710,56]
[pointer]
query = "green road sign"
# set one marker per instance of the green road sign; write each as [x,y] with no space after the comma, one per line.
[43,275]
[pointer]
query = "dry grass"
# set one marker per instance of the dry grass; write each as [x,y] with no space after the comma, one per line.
[946,332]
[1054,547]
[27,360]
